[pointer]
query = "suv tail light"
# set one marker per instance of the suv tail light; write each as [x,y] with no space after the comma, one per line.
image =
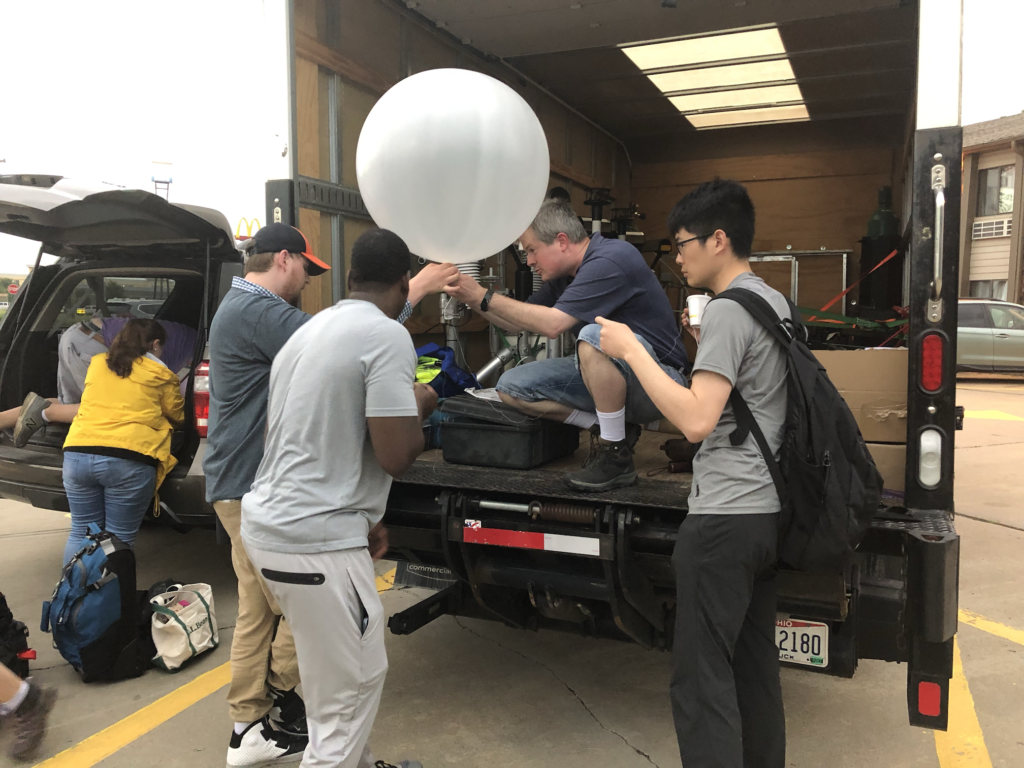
[931,362]
[201,397]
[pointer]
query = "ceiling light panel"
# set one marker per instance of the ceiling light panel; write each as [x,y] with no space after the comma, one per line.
[791,114]
[699,50]
[718,77]
[746,97]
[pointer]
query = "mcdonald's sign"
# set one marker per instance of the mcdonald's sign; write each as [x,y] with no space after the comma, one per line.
[248,228]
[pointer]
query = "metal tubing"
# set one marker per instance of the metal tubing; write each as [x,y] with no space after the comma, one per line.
[495,365]
[505,506]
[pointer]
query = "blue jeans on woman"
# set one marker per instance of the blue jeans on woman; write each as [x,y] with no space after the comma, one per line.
[112,492]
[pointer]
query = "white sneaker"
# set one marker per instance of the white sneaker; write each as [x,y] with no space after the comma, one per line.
[260,745]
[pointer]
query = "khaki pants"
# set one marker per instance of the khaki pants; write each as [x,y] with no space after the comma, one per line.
[332,602]
[262,647]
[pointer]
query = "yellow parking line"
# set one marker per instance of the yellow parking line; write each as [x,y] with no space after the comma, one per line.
[992,627]
[387,581]
[992,415]
[102,745]
[963,745]
[108,741]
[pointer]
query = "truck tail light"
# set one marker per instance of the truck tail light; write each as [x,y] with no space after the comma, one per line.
[929,699]
[931,362]
[929,462]
[201,397]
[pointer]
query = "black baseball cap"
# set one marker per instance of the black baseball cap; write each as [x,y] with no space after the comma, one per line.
[275,238]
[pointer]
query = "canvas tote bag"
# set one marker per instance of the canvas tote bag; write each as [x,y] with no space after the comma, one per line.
[184,625]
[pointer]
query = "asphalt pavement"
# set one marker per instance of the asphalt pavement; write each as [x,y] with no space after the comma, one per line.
[469,694]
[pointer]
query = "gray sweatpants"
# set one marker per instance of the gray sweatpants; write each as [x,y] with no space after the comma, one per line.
[327,598]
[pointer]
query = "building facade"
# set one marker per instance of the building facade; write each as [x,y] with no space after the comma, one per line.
[991,261]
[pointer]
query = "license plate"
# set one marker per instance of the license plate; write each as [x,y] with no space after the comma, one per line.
[802,642]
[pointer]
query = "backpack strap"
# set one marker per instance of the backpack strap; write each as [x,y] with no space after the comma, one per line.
[759,308]
[763,312]
[747,424]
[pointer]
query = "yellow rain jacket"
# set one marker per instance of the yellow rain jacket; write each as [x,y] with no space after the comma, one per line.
[137,413]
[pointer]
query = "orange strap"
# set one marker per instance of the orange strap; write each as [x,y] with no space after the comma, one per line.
[858,281]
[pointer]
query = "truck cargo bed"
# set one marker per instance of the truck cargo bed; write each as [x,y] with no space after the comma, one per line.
[656,487]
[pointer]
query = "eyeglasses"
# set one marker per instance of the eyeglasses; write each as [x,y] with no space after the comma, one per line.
[681,243]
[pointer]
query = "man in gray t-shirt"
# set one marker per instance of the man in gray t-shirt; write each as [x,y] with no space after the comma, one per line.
[344,417]
[726,662]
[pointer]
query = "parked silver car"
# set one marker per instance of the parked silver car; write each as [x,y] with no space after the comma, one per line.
[990,336]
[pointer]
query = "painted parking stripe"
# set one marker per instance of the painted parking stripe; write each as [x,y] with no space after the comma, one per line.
[992,416]
[992,627]
[963,745]
[102,745]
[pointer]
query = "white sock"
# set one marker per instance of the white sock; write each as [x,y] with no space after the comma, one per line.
[581,419]
[43,414]
[10,707]
[240,727]
[613,425]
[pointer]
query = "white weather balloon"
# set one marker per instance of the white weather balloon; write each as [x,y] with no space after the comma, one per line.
[454,162]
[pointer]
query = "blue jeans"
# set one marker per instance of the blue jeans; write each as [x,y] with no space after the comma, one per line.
[559,380]
[114,493]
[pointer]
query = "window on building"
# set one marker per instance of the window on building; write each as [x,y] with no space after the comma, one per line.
[1007,318]
[995,190]
[988,289]
[972,316]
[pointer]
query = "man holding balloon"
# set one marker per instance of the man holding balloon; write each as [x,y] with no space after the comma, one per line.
[457,164]
[585,278]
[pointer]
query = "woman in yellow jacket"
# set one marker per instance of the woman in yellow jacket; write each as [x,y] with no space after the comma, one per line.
[118,449]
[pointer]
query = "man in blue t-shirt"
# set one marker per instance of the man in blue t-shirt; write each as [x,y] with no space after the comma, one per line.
[585,278]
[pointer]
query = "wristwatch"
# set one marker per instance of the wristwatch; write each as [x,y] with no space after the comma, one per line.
[485,302]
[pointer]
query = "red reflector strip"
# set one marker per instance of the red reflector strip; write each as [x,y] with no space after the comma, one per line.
[931,362]
[29,655]
[546,542]
[929,699]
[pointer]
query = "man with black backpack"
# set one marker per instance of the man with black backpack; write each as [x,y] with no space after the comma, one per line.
[726,695]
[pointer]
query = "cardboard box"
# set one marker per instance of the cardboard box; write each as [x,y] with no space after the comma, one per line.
[873,382]
[891,461]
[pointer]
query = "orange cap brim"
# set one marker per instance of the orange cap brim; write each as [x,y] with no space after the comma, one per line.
[316,267]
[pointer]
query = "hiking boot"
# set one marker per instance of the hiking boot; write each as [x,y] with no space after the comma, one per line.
[610,465]
[288,714]
[259,745]
[30,419]
[30,722]
[633,432]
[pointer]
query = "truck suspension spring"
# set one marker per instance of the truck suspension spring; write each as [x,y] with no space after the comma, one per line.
[563,513]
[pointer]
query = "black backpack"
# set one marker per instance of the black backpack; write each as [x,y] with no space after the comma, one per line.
[14,650]
[94,610]
[827,482]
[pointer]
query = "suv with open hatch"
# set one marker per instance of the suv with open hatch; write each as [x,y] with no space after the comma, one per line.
[119,252]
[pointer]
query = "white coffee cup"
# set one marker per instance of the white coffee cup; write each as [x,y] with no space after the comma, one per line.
[696,305]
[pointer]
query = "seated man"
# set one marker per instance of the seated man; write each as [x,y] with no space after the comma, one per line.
[75,350]
[585,278]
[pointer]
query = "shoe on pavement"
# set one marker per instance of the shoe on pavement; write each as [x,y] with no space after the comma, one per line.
[403,764]
[30,721]
[609,466]
[259,746]
[288,714]
[30,419]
